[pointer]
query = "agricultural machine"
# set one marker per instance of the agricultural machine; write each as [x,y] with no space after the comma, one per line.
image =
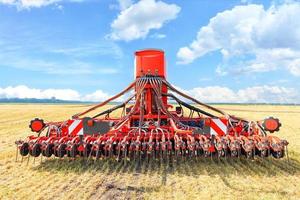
[154,123]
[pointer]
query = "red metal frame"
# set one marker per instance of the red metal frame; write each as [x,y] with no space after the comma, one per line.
[149,126]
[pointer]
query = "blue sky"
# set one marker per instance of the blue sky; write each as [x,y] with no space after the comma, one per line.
[217,51]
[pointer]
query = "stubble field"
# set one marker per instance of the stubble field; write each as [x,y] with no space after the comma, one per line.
[108,179]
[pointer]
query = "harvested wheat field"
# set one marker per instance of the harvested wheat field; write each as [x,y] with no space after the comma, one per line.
[204,178]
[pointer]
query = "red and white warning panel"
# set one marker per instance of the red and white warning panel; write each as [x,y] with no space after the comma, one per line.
[75,127]
[218,126]
[88,126]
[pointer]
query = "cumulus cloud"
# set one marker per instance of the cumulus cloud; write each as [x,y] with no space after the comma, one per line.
[124,4]
[255,94]
[98,95]
[23,91]
[210,94]
[250,38]
[138,19]
[26,4]
[294,67]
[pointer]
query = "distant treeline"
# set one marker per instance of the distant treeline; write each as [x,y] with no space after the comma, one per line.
[58,101]
[33,100]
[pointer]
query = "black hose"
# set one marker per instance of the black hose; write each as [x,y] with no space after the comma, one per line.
[109,110]
[189,106]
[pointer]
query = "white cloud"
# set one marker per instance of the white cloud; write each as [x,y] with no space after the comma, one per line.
[7,1]
[158,36]
[124,4]
[294,67]
[255,94]
[23,91]
[98,95]
[138,19]
[250,38]
[27,4]
[210,94]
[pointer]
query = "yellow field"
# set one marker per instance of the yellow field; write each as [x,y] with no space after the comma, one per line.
[108,179]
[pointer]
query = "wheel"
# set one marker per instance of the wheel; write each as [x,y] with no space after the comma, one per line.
[24,149]
[278,154]
[61,151]
[264,153]
[48,151]
[36,150]
[249,154]
[234,153]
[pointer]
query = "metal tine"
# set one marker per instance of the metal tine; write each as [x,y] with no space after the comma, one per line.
[134,156]
[287,154]
[28,159]
[119,153]
[140,152]
[111,152]
[90,155]
[147,156]
[17,153]
[125,156]
[97,155]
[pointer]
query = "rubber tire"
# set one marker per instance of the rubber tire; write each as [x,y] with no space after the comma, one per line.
[234,153]
[36,150]
[48,151]
[278,154]
[61,151]
[249,154]
[24,149]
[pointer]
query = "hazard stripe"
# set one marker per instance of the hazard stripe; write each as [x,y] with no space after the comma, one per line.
[216,128]
[213,132]
[220,124]
[76,128]
[74,125]
[80,132]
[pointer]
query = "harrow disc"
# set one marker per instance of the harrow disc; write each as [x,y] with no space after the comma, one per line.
[24,149]
[61,151]
[48,151]
[278,154]
[73,152]
[36,150]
